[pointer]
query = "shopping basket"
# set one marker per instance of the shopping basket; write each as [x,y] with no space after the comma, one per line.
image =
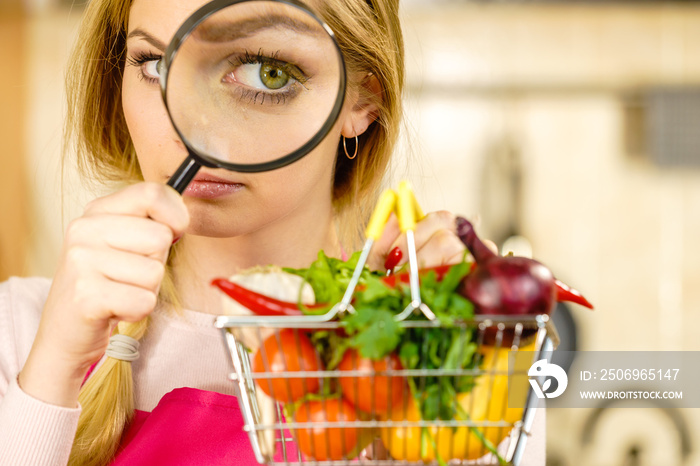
[279,438]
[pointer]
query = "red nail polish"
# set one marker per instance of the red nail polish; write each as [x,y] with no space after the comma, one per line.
[176,239]
[393,258]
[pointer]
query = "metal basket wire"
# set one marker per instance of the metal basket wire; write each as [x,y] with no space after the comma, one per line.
[273,436]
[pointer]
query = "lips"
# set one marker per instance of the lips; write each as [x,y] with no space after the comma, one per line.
[207,186]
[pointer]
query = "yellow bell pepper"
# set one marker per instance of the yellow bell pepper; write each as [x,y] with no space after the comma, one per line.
[404,443]
[419,443]
[486,402]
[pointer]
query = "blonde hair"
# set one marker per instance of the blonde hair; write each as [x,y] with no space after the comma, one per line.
[369,34]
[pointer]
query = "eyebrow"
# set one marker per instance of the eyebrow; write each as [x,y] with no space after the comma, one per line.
[222,31]
[140,33]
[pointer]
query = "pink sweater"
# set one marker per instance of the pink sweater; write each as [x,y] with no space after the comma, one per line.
[178,351]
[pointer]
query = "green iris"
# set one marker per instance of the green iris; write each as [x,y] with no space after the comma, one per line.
[273,76]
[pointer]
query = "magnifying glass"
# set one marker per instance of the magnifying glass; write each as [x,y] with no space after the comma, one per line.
[251,85]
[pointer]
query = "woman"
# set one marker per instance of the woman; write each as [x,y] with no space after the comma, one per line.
[117,263]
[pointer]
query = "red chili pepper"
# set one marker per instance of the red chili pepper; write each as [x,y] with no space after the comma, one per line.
[261,304]
[566,293]
[393,259]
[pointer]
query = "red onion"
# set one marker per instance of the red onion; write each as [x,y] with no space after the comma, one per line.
[510,285]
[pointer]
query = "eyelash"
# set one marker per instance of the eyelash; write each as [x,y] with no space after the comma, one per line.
[259,57]
[141,58]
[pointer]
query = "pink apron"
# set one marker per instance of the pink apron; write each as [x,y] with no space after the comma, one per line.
[191,427]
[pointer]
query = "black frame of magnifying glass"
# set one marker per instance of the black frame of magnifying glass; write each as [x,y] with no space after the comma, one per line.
[189,167]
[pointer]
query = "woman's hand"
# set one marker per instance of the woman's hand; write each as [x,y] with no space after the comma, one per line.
[110,269]
[436,242]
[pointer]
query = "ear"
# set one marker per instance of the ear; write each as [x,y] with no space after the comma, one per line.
[364,109]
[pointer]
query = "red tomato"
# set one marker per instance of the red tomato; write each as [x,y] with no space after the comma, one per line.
[378,394]
[326,443]
[292,352]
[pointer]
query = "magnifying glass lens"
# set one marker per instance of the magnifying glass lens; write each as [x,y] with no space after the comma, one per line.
[253,83]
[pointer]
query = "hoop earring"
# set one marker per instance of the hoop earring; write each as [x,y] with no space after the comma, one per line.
[345,147]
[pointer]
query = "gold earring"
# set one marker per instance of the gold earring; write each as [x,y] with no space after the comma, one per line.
[345,147]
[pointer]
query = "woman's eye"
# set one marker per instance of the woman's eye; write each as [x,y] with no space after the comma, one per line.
[262,76]
[149,65]
[151,69]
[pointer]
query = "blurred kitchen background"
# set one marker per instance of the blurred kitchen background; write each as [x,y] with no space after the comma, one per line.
[569,128]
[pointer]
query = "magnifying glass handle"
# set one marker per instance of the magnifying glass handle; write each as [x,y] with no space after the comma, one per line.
[184,174]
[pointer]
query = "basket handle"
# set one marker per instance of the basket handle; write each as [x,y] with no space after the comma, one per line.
[385,206]
[408,210]
[403,203]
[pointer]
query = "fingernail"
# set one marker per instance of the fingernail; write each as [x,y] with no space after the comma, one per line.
[393,258]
